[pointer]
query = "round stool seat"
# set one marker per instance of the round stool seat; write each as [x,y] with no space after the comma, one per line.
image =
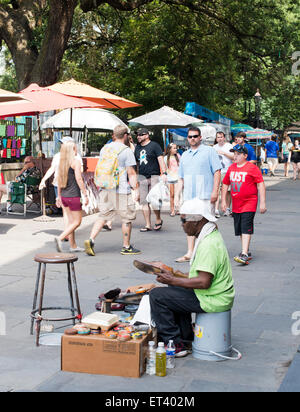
[55,258]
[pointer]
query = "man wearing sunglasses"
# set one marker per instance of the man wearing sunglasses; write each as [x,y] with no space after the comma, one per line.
[200,174]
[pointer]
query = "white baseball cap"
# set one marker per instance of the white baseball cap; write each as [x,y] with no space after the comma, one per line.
[198,207]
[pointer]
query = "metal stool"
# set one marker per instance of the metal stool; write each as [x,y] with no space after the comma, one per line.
[36,314]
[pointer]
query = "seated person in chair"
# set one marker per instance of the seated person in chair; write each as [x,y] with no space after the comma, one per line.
[29,169]
[208,287]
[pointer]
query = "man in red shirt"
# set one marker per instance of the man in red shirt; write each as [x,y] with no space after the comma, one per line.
[246,182]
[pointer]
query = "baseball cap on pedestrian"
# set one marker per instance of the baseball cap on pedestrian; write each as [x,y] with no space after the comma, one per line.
[66,139]
[240,149]
[142,131]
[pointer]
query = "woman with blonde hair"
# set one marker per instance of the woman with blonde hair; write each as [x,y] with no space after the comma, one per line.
[70,186]
[172,159]
[286,153]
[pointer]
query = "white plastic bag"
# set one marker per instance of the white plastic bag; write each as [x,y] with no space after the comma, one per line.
[157,195]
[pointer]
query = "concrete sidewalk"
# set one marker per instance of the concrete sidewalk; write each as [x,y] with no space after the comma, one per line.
[267,294]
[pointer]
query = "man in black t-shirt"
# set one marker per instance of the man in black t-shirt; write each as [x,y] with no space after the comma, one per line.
[150,161]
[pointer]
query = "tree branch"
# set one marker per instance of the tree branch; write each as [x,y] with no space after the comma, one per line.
[124,5]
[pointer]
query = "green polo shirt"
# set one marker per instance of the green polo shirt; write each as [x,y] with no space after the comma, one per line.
[212,257]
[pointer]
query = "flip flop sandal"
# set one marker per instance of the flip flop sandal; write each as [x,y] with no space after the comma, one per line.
[145,229]
[158,226]
[183,259]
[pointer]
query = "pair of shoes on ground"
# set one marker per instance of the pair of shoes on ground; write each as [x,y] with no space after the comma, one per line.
[243,258]
[89,249]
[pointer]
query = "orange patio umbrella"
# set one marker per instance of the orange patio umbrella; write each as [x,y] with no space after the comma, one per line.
[107,100]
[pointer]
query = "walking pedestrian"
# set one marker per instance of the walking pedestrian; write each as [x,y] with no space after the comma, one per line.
[286,153]
[295,158]
[70,187]
[226,157]
[151,165]
[116,199]
[200,174]
[240,139]
[246,182]
[172,160]
[272,150]
[53,169]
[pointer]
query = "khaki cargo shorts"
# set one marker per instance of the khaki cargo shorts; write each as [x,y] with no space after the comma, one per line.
[112,204]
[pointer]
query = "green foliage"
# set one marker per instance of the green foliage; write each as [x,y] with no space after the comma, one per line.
[165,55]
[168,52]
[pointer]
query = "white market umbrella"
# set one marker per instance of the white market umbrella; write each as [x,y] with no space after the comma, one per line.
[165,117]
[91,119]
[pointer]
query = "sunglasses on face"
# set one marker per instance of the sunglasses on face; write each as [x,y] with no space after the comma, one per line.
[144,134]
[194,136]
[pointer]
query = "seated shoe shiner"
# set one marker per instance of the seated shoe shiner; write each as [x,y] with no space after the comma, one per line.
[208,287]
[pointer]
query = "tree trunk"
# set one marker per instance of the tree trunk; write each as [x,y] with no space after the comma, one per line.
[46,68]
[16,29]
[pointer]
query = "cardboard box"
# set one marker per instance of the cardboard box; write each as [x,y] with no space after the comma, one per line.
[96,354]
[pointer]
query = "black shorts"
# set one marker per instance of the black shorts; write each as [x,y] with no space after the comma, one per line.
[243,223]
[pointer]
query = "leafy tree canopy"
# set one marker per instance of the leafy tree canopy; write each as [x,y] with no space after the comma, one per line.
[215,52]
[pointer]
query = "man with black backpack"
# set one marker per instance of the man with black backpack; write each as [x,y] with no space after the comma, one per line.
[115,175]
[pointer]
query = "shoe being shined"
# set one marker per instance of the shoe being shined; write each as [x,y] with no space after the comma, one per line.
[130,251]
[242,258]
[181,350]
[89,247]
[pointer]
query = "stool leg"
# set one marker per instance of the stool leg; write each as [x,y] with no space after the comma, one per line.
[35,295]
[71,292]
[39,315]
[76,290]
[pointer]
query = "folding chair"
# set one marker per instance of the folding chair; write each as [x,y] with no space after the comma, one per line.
[19,192]
[17,195]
